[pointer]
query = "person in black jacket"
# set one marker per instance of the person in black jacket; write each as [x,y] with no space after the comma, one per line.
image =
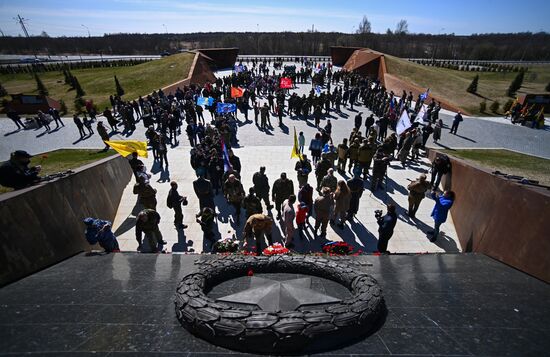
[440,166]
[15,172]
[174,201]
[386,224]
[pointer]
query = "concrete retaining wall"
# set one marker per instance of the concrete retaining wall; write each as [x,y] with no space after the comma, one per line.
[501,218]
[42,225]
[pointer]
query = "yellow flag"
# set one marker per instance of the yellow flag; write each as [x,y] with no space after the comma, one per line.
[126,147]
[295,150]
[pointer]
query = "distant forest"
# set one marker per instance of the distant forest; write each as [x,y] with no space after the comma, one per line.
[511,47]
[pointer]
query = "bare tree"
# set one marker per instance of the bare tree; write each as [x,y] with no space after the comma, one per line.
[364,26]
[402,27]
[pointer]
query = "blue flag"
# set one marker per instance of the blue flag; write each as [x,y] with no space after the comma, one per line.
[318,89]
[424,95]
[226,108]
[208,101]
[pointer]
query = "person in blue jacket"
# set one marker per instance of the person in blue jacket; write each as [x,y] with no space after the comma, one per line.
[443,204]
[99,231]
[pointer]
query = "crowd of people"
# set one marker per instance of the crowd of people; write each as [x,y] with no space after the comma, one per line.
[365,154]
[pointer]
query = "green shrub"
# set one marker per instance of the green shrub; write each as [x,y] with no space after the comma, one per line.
[472,88]
[42,90]
[494,106]
[483,106]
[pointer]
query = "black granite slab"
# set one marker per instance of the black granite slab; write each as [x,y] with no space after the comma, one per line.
[121,305]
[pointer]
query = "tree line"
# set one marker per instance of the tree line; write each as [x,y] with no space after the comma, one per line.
[513,47]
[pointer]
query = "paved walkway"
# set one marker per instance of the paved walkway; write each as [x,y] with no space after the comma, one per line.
[409,236]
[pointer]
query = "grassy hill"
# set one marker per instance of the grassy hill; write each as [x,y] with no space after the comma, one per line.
[99,83]
[451,84]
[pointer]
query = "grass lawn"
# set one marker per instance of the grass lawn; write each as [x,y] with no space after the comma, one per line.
[99,83]
[451,84]
[63,160]
[509,162]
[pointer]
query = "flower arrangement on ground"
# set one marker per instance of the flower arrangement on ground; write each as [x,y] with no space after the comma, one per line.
[276,248]
[338,248]
[226,245]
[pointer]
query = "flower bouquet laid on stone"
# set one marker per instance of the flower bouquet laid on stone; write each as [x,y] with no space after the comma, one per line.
[276,248]
[339,248]
[226,245]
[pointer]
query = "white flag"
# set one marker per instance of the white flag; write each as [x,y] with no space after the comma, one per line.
[403,124]
[420,115]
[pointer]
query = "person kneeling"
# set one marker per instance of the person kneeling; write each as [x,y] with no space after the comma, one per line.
[99,231]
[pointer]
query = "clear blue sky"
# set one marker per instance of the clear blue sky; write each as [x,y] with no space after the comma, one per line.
[66,18]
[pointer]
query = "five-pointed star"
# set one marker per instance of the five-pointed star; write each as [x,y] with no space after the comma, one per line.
[272,295]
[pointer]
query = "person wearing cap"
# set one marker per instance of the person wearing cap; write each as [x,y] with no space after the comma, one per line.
[386,224]
[102,131]
[417,191]
[234,194]
[15,172]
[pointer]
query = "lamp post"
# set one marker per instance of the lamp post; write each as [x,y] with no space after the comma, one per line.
[87,28]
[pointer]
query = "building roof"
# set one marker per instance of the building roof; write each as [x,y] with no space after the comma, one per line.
[359,58]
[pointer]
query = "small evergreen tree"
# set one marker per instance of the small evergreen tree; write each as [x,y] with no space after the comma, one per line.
[483,106]
[494,106]
[76,85]
[40,85]
[3,91]
[472,88]
[119,89]
[62,107]
[507,105]
[79,104]
[516,83]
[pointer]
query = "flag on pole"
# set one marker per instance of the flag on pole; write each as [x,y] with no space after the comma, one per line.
[392,107]
[226,108]
[420,115]
[424,95]
[403,124]
[295,149]
[226,163]
[285,83]
[205,101]
[236,92]
[126,147]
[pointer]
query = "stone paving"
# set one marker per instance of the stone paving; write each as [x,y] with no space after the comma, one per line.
[272,149]
[409,236]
